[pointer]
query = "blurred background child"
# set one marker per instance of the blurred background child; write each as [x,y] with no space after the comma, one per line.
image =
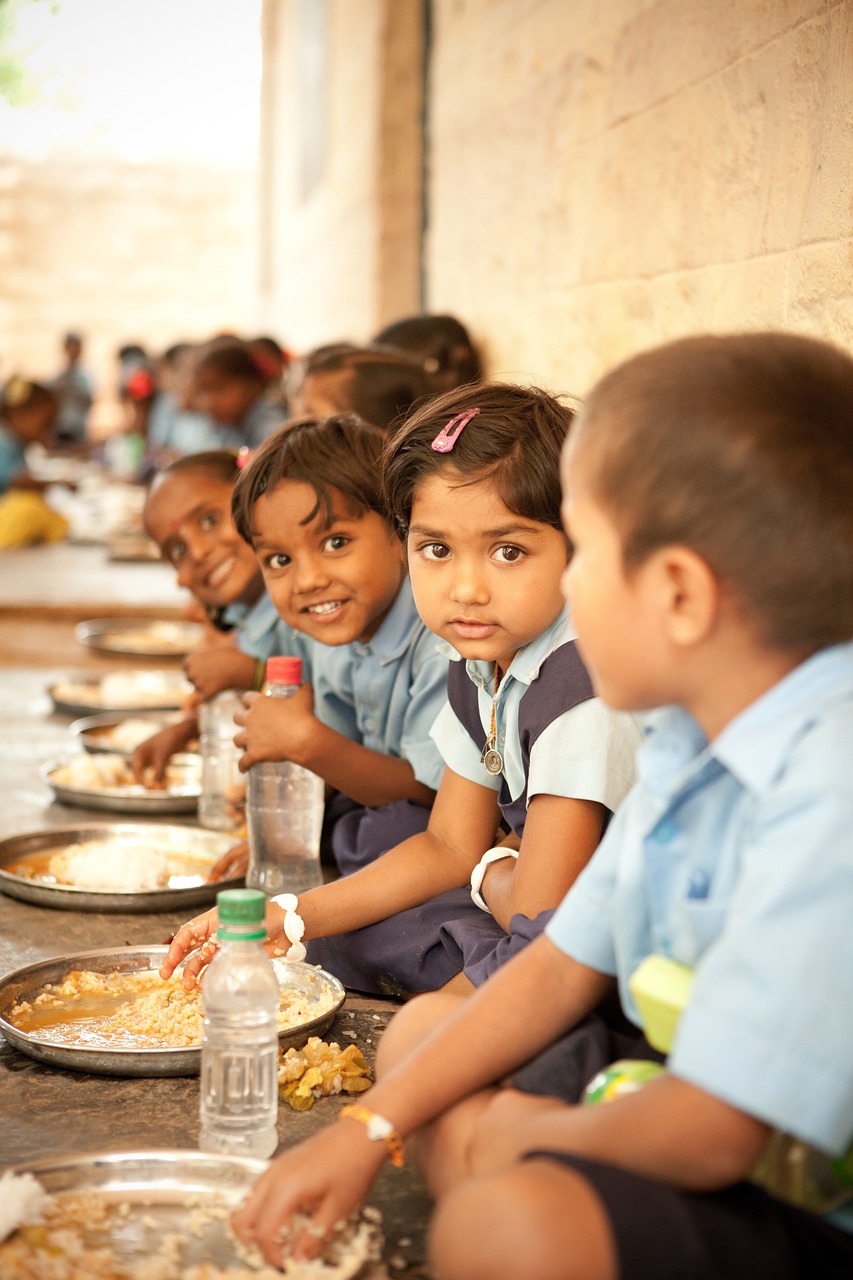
[28,414]
[379,386]
[74,388]
[236,392]
[441,343]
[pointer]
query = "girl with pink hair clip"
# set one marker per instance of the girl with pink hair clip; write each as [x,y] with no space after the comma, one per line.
[534,761]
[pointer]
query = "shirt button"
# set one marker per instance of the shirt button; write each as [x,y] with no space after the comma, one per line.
[664,832]
[370,725]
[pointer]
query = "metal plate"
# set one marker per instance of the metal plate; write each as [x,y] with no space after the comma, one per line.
[163,1189]
[141,637]
[81,695]
[27,983]
[94,732]
[181,796]
[190,892]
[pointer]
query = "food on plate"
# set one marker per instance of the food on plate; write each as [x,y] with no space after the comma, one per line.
[164,637]
[132,689]
[110,770]
[111,866]
[127,734]
[137,1010]
[90,1235]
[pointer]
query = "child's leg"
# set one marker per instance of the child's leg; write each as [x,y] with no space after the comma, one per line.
[530,1222]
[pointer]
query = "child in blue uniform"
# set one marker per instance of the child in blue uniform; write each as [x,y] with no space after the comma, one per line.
[708,495]
[188,514]
[485,554]
[231,387]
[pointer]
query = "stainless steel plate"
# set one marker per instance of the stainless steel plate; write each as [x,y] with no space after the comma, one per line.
[141,637]
[183,892]
[29,982]
[181,796]
[95,732]
[82,694]
[164,1189]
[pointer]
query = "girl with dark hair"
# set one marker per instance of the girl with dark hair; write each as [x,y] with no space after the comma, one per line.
[534,762]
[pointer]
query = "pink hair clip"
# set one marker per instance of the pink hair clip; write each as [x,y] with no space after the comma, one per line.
[450,433]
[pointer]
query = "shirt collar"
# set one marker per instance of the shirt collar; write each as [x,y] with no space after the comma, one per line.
[396,630]
[756,744]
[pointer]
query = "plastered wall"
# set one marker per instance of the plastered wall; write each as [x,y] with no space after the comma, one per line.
[602,175]
[342,158]
[124,253]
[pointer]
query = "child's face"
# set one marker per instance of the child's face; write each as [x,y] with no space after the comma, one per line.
[33,423]
[484,579]
[322,395]
[226,400]
[616,616]
[336,582]
[188,515]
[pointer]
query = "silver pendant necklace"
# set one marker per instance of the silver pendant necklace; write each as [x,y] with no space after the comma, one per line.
[491,759]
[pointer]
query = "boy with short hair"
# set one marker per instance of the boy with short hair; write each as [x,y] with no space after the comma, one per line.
[708,494]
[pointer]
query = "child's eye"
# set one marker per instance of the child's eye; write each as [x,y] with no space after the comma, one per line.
[176,552]
[209,520]
[435,551]
[336,542]
[508,555]
[278,561]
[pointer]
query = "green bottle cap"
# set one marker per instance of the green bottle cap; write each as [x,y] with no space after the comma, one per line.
[241,906]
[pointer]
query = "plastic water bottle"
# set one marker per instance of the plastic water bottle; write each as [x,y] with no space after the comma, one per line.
[239,1054]
[220,774]
[284,804]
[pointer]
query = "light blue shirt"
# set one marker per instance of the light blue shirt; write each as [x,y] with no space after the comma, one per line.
[384,694]
[587,753]
[12,457]
[736,858]
[262,633]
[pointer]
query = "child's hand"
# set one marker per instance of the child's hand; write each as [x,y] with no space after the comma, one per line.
[232,864]
[216,669]
[197,939]
[326,1178]
[153,755]
[277,728]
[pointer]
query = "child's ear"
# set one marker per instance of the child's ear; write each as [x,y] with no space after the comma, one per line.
[690,594]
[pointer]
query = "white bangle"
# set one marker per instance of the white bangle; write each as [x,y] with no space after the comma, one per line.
[294,925]
[479,872]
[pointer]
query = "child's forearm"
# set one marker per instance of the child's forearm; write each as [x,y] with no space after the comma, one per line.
[413,872]
[669,1130]
[366,776]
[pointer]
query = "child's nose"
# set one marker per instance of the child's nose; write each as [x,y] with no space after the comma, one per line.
[311,573]
[468,585]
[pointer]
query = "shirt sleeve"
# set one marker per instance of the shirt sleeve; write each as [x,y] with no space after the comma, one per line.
[587,753]
[427,697]
[458,750]
[768,1026]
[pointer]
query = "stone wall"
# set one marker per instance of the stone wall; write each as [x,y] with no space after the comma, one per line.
[607,174]
[145,253]
[602,174]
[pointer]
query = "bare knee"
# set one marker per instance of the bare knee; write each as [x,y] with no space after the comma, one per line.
[411,1024]
[536,1221]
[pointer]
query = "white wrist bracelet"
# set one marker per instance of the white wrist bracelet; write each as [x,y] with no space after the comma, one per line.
[294,925]
[479,872]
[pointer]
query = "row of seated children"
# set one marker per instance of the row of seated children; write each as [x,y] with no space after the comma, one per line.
[336,572]
[707,494]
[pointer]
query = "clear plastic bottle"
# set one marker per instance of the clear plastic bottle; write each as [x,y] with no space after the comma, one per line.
[284,804]
[239,1055]
[220,774]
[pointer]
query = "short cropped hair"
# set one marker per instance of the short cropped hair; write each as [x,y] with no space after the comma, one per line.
[740,448]
[514,441]
[222,464]
[340,453]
